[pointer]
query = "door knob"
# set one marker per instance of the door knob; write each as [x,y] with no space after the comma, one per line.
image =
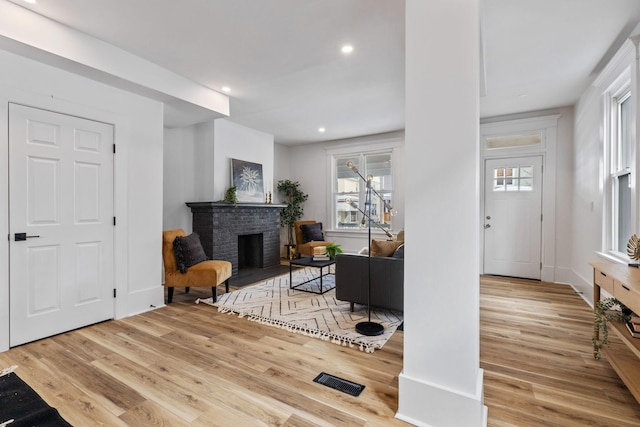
[488,217]
[19,237]
[487,226]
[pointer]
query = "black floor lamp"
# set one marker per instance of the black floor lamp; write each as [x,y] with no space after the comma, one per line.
[368,328]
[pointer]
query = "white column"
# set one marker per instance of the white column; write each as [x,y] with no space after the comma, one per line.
[441,383]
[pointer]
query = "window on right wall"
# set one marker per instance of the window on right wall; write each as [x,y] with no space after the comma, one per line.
[622,164]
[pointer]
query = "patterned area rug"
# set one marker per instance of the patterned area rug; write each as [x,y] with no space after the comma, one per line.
[272,303]
[20,405]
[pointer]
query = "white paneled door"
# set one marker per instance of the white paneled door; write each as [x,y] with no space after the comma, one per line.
[60,222]
[513,217]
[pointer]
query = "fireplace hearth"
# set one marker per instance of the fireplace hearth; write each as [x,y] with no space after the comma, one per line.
[247,235]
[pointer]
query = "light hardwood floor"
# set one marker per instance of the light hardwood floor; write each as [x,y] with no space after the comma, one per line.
[187,364]
[536,352]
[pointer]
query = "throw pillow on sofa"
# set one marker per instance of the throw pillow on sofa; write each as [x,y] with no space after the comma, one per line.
[188,251]
[312,232]
[384,247]
[399,253]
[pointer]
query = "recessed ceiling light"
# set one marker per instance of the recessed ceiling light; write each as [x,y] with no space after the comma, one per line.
[31,1]
[321,129]
[226,89]
[346,49]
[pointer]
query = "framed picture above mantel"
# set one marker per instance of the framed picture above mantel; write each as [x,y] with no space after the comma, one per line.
[248,180]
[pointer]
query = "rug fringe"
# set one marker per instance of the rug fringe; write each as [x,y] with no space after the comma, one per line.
[310,332]
[8,370]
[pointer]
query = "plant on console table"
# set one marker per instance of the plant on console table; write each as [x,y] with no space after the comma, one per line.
[294,198]
[606,310]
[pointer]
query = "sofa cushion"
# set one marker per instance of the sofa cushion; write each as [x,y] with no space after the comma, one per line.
[399,252]
[312,232]
[383,247]
[387,280]
[188,251]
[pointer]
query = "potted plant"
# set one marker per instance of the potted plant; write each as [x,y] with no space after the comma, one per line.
[607,309]
[333,249]
[294,199]
[231,197]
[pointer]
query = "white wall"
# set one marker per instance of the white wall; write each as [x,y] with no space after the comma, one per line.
[179,178]
[281,171]
[203,163]
[564,195]
[233,141]
[138,173]
[589,205]
[197,165]
[441,383]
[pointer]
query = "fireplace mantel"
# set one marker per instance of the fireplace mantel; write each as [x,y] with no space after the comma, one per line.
[216,205]
[219,224]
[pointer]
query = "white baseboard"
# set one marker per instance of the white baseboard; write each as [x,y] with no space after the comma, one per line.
[424,404]
[143,301]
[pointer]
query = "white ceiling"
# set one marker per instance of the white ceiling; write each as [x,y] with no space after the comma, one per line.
[282,57]
[542,54]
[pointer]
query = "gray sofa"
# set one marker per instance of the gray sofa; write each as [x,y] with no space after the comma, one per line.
[387,280]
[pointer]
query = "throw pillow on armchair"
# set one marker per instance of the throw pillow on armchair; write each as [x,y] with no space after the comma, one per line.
[312,232]
[188,251]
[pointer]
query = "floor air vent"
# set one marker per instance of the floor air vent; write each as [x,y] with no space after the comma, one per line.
[339,384]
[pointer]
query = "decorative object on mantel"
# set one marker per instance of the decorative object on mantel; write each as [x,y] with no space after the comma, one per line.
[607,309]
[273,303]
[247,178]
[230,196]
[633,250]
[294,198]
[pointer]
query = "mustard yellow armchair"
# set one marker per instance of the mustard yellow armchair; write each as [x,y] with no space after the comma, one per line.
[206,273]
[306,248]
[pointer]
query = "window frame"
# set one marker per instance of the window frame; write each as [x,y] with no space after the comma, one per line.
[616,173]
[332,194]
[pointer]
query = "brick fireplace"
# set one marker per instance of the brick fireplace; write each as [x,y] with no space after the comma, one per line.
[247,235]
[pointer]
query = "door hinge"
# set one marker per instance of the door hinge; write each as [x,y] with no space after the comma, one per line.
[114,292]
[540,217]
[114,148]
[114,221]
[540,266]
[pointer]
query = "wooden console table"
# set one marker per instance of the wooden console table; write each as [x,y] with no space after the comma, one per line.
[623,283]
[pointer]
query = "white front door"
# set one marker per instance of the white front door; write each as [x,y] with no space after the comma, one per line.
[513,217]
[61,223]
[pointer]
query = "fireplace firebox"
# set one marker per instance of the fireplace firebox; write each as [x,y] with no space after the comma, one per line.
[250,251]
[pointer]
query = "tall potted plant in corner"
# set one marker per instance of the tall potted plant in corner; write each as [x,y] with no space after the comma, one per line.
[294,199]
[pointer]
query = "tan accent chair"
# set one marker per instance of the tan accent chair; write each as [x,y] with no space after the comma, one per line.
[207,273]
[306,249]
